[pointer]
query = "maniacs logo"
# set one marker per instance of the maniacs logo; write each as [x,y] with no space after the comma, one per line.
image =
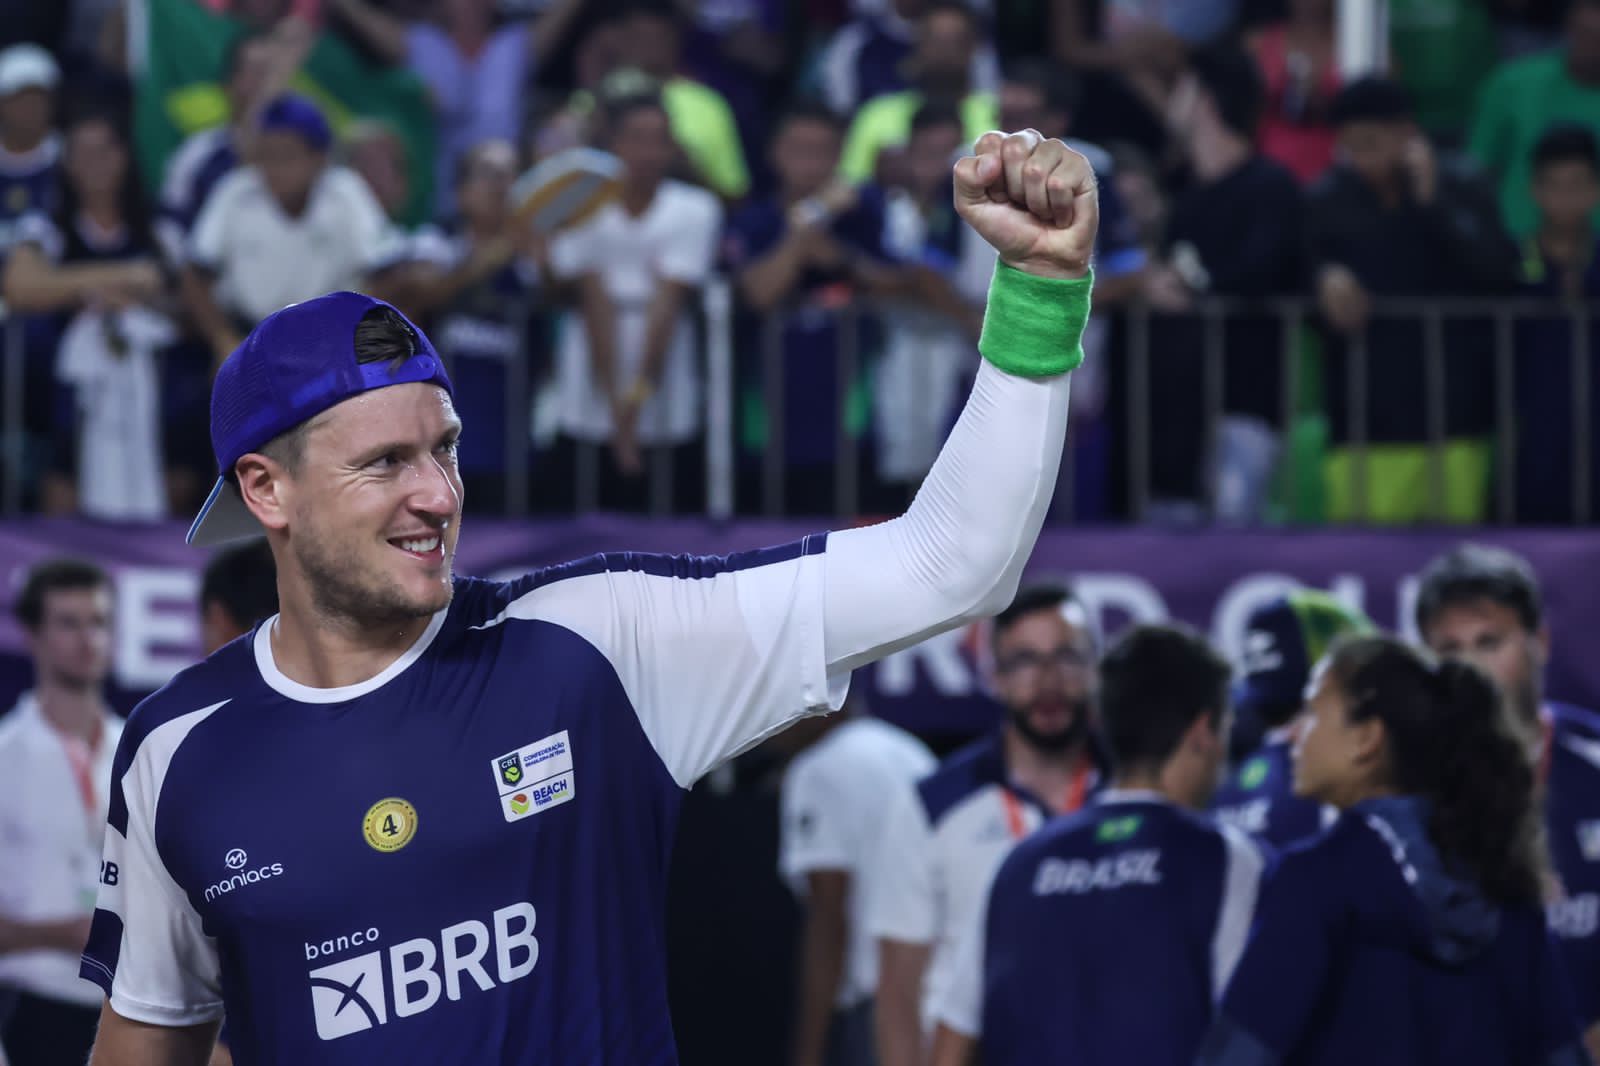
[351,996]
[236,859]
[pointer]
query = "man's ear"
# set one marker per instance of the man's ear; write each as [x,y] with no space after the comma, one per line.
[266,488]
[1367,739]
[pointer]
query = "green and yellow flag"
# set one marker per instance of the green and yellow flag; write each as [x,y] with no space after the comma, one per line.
[179,92]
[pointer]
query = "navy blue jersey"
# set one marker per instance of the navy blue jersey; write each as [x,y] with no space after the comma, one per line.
[1572,827]
[463,859]
[28,184]
[1365,951]
[1108,937]
[1259,798]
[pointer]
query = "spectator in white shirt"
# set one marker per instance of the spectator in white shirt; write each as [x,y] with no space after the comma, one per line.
[628,369]
[286,229]
[250,69]
[852,767]
[56,748]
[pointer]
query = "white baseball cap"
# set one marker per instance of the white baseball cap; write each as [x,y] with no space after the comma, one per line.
[27,66]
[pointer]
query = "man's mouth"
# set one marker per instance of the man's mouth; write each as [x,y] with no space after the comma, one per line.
[422,547]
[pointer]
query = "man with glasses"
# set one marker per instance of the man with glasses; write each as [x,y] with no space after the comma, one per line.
[943,840]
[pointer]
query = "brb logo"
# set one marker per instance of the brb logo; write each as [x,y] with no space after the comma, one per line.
[352,996]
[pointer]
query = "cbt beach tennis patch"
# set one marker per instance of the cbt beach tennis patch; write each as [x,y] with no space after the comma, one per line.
[535,777]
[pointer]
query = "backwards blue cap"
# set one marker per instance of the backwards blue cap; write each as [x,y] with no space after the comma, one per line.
[1284,639]
[296,114]
[294,365]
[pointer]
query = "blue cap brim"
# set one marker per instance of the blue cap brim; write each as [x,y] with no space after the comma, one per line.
[223,518]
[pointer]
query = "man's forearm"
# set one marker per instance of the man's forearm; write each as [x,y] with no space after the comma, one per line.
[951,1048]
[661,321]
[68,936]
[957,554]
[822,964]
[209,319]
[598,324]
[765,283]
[899,1027]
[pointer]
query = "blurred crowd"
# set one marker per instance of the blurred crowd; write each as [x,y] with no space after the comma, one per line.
[1298,270]
[1348,849]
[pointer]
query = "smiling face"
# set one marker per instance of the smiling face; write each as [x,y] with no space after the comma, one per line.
[370,508]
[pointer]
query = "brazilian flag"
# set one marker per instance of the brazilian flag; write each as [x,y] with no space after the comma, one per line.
[178,92]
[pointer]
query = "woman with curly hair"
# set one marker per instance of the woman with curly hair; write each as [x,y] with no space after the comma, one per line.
[1412,931]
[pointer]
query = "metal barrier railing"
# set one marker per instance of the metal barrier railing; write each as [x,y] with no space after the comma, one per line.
[1433,320]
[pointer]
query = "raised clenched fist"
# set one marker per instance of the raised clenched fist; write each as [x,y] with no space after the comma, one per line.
[1033,199]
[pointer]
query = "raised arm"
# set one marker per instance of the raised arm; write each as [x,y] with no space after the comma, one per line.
[718,653]
[958,552]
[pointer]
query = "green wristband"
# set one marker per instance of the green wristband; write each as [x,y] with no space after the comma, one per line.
[1033,326]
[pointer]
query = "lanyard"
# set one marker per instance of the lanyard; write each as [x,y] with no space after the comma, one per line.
[80,757]
[1077,792]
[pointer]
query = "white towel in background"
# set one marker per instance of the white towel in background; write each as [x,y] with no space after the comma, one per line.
[120,474]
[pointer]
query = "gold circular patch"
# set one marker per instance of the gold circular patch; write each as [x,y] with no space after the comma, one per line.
[390,824]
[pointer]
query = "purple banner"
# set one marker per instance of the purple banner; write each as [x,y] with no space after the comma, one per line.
[1210,579]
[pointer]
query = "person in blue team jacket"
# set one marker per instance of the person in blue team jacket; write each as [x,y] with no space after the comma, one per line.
[1411,932]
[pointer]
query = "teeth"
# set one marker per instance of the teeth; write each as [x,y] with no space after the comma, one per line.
[421,547]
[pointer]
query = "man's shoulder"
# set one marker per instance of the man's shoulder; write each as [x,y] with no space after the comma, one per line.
[198,149]
[1575,738]
[344,188]
[968,771]
[240,182]
[16,726]
[1108,829]
[480,602]
[868,746]
[225,675]
[688,205]
[1567,719]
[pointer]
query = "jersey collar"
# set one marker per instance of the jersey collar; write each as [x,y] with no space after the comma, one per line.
[294,690]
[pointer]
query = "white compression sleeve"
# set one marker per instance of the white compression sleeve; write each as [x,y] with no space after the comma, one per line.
[957,553]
